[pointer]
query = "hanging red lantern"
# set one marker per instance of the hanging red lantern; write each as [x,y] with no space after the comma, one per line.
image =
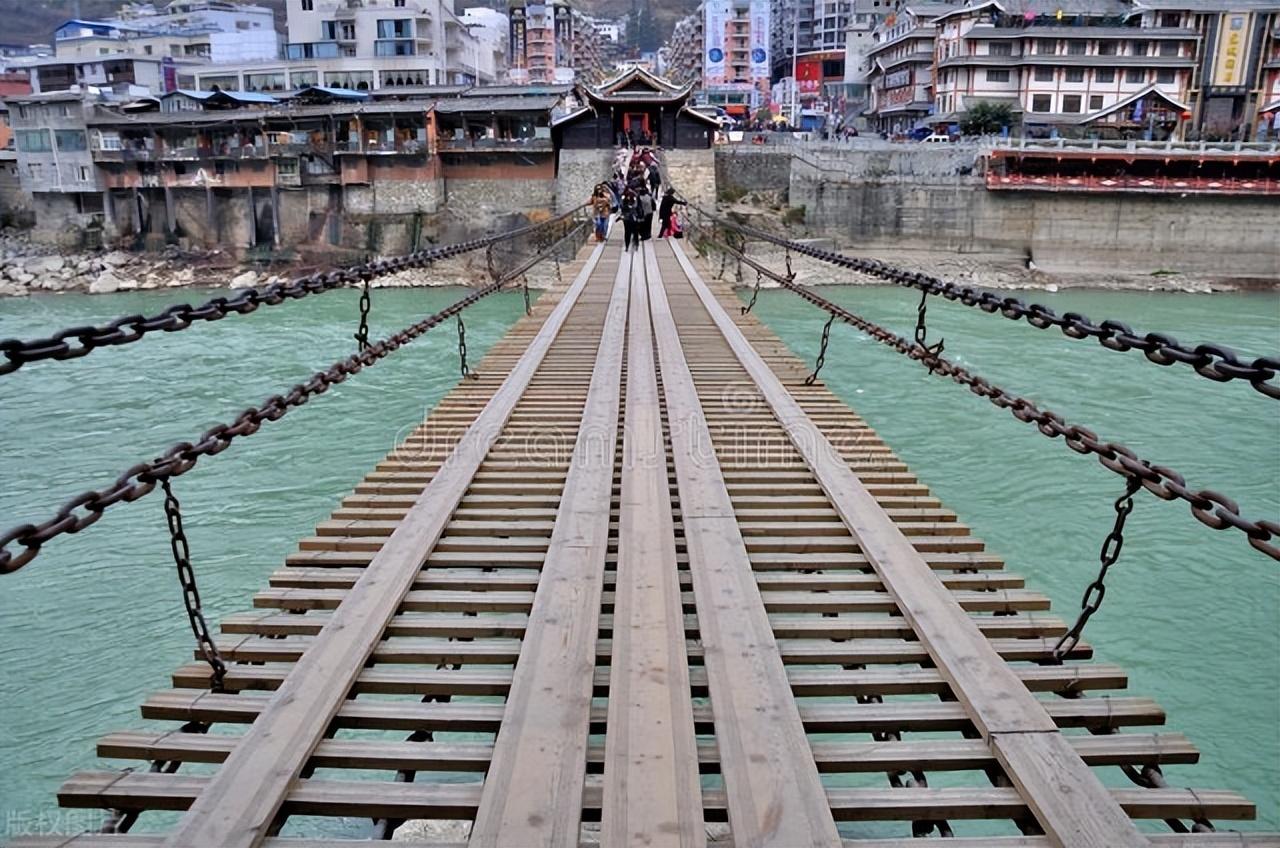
[1185,115]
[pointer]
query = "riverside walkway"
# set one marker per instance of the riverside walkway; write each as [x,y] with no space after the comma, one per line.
[638,572]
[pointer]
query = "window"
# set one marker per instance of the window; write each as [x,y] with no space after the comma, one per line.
[1071,103]
[22,112]
[1041,102]
[1106,48]
[71,140]
[1000,48]
[1168,48]
[1171,19]
[1073,75]
[1166,76]
[1139,48]
[329,30]
[302,79]
[997,75]
[398,28]
[1095,102]
[308,5]
[146,48]
[1104,75]
[1134,76]
[84,173]
[34,141]
[1077,48]
[1044,74]
[264,82]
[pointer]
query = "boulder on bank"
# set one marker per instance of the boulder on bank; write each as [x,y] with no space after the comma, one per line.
[247,280]
[107,283]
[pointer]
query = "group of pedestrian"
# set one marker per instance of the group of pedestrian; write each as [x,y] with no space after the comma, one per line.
[632,197]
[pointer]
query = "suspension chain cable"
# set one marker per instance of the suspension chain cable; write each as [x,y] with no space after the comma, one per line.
[462,350]
[524,287]
[1211,508]
[1097,590]
[190,592]
[75,342]
[1212,361]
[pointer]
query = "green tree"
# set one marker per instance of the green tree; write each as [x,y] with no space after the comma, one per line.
[986,117]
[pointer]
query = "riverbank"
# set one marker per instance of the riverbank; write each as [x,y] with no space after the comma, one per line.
[30,268]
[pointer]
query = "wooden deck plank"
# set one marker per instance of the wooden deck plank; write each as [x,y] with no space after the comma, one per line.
[651,789]
[533,789]
[774,793]
[1068,800]
[240,803]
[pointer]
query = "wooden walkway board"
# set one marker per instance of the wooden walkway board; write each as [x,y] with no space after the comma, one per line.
[637,577]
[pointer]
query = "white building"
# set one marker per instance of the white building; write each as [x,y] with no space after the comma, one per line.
[211,31]
[426,36]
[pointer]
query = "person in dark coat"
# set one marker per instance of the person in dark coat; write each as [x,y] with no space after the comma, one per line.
[631,216]
[655,179]
[646,210]
[667,212]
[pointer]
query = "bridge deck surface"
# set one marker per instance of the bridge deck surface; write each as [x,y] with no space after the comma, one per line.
[638,573]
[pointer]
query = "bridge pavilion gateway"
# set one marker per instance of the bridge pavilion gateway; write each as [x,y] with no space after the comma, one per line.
[637,107]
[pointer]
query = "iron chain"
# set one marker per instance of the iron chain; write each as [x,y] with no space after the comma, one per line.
[1211,508]
[1213,361]
[190,592]
[462,348]
[524,286]
[362,333]
[1097,590]
[822,352]
[931,352]
[75,342]
[755,292]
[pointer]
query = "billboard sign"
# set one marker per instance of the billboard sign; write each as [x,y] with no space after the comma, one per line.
[759,39]
[717,16]
[1231,58]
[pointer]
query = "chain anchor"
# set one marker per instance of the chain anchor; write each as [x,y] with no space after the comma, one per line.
[822,351]
[190,592]
[931,351]
[362,334]
[1097,590]
[524,285]
[755,292]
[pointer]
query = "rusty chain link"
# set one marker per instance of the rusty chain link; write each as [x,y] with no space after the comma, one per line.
[86,508]
[1212,361]
[755,293]
[1097,590]
[1211,508]
[190,592]
[462,349]
[75,342]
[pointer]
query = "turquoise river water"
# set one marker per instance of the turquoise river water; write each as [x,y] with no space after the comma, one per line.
[96,622]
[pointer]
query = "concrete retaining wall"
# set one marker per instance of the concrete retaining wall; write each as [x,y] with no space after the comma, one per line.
[753,168]
[577,173]
[935,199]
[693,173]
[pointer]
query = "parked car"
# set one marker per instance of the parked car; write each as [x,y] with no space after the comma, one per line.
[936,138]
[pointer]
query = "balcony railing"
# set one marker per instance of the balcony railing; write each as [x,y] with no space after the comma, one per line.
[495,144]
[409,147]
[1145,185]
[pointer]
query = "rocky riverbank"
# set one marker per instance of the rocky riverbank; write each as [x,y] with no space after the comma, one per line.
[29,268]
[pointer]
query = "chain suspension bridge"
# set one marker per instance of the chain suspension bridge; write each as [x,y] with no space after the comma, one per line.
[641,571]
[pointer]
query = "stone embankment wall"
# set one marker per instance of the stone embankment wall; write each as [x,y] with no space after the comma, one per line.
[933,198]
[693,173]
[579,171]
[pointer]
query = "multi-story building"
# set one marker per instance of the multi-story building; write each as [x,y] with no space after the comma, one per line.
[123,73]
[54,160]
[213,30]
[901,72]
[807,27]
[735,55]
[1269,110]
[390,38]
[1059,72]
[682,55]
[541,42]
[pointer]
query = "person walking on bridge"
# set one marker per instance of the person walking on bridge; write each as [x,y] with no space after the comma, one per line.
[655,179]
[667,212]
[631,217]
[601,208]
[646,214]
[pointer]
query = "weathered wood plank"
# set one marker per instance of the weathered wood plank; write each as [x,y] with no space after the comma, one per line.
[533,789]
[239,804]
[774,793]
